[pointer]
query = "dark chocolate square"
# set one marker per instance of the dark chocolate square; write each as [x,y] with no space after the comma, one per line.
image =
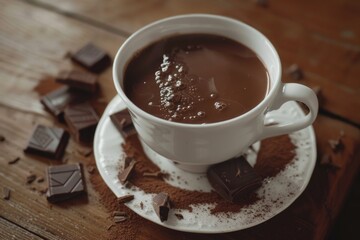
[56,101]
[92,58]
[82,121]
[65,182]
[78,79]
[123,123]
[234,179]
[48,142]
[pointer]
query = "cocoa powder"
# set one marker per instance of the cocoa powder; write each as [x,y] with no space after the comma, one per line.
[273,156]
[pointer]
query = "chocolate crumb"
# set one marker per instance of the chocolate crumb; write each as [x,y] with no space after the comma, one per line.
[40,180]
[43,191]
[13,161]
[91,169]
[30,178]
[141,205]
[336,145]
[118,213]
[125,199]
[2,138]
[179,216]
[295,72]
[6,193]
[86,152]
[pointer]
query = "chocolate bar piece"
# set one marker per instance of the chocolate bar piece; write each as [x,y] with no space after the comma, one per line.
[56,101]
[79,80]
[82,121]
[64,182]
[48,142]
[92,58]
[123,123]
[161,204]
[126,173]
[234,179]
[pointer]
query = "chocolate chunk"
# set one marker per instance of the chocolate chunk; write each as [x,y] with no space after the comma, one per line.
[126,173]
[125,199]
[92,58]
[6,193]
[79,80]
[56,101]
[48,142]
[234,179]
[122,121]
[161,204]
[295,72]
[65,182]
[82,121]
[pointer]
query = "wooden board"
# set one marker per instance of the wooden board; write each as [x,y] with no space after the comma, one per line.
[318,36]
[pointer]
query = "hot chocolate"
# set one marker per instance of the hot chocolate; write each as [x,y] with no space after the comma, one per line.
[196,78]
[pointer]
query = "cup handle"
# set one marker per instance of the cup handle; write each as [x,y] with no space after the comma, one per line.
[296,92]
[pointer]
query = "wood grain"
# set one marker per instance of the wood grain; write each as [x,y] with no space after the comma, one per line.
[34,42]
[318,36]
[12,231]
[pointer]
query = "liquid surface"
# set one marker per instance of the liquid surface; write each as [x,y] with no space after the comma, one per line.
[196,78]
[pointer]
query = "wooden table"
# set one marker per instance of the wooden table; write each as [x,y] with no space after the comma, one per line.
[322,37]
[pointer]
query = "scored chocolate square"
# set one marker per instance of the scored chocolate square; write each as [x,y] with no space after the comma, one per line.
[234,179]
[92,58]
[65,182]
[48,142]
[123,123]
[82,121]
[78,79]
[56,101]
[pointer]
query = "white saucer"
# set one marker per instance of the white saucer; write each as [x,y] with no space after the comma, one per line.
[275,195]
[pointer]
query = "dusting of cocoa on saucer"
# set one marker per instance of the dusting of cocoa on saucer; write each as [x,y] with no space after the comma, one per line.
[127,230]
[274,155]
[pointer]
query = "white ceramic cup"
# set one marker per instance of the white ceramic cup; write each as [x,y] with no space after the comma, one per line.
[196,146]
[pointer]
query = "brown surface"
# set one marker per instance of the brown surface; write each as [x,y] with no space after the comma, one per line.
[322,38]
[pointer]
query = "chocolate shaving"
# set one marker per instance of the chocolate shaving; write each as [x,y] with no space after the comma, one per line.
[6,193]
[13,161]
[85,151]
[118,219]
[30,178]
[110,226]
[126,173]
[127,161]
[141,205]
[152,174]
[40,179]
[125,199]
[2,138]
